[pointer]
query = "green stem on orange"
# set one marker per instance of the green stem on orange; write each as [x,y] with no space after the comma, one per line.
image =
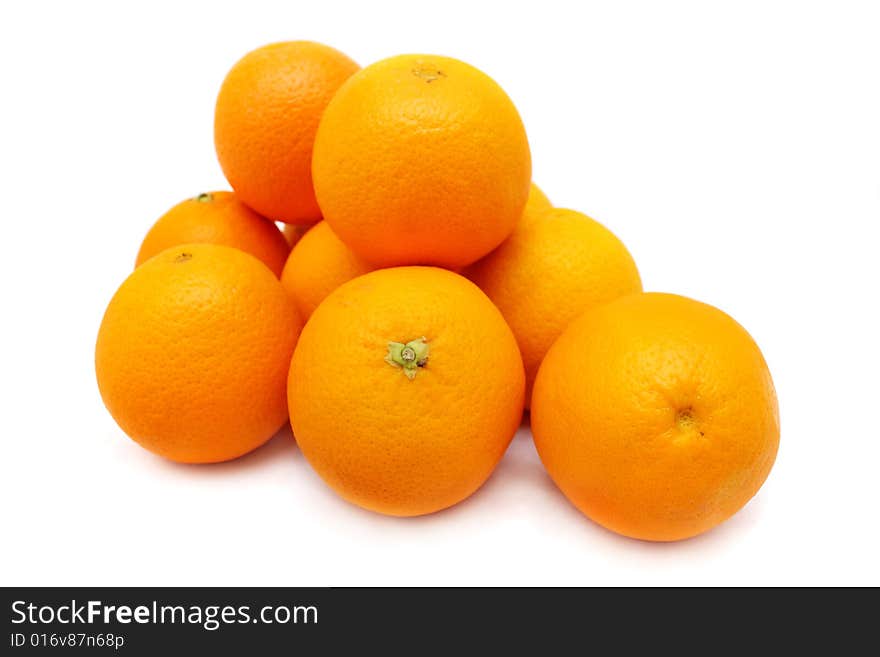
[205,197]
[408,356]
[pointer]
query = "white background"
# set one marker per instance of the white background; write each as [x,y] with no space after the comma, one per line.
[735,150]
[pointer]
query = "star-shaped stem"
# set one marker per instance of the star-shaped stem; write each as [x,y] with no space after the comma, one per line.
[409,356]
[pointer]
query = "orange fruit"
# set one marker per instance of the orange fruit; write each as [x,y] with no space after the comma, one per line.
[193,353]
[265,120]
[557,264]
[405,390]
[656,416]
[421,159]
[318,264]
[217,218]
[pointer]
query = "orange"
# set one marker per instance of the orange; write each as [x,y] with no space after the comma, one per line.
[656,416]
[265,120]
[405,390]
[193,353]
[421,159]
[557,264]
[318,264]
[217,218]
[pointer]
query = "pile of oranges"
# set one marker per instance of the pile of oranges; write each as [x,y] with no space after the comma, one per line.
[422,294]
